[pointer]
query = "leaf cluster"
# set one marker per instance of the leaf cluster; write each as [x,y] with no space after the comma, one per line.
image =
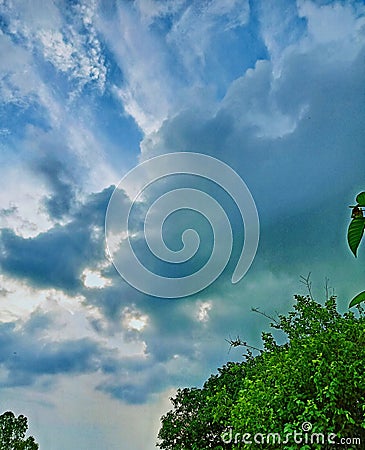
[355,234]
[357,225]
[12,433]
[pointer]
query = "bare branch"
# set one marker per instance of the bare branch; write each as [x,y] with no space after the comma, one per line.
[307,283]
[256,310]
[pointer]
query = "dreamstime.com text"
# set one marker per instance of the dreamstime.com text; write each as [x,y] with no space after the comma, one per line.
[296,437]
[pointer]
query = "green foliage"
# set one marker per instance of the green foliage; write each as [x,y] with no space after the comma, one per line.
[12,433]
[357,299]
[195,423]
[355,233]
[361,199]
[354,236]
[317,376]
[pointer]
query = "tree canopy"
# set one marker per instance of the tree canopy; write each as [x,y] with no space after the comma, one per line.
[308,393]
[12,433]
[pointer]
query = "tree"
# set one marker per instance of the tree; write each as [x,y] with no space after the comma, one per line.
[354,235]
[12,433]
[316,379]
[195,423]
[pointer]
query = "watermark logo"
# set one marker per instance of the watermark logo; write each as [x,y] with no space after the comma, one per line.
[126,245]
[305,436]
[306,426]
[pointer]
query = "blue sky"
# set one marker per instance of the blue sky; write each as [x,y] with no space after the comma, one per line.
[88,90]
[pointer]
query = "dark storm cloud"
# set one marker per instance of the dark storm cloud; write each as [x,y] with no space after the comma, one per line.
[62,185]
[290,137]
[26,357]
[297,140]
[111,299]
[51,259]
[56,258]
[139,387]
[135,383]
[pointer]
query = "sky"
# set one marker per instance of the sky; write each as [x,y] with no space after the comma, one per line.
[90,90]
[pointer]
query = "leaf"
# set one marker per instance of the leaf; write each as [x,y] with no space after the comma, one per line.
[358,299]
[355,233]
[361,199]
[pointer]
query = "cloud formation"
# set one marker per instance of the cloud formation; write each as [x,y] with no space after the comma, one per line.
[89,89]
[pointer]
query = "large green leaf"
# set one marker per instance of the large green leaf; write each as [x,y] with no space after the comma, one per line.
[361,199]
[358,299]
[355,233]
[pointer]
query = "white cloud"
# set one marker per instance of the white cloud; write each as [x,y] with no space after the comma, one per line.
[334,22]
[150,10]
[203,311]
[20,301]
[42,27]
[77,55]
[160,72]
[57,51]
[146,92]
[254,99]
[21,195]
[18,80]
[91,150]
[140,107]
[134,320]
[32,14]
[192,33]
[291,27]
[278,24]
[69,318]
[94,279]
[21,84]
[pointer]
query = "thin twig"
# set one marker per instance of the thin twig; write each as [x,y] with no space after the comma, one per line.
[326,287]
[256,310]
[307,283]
